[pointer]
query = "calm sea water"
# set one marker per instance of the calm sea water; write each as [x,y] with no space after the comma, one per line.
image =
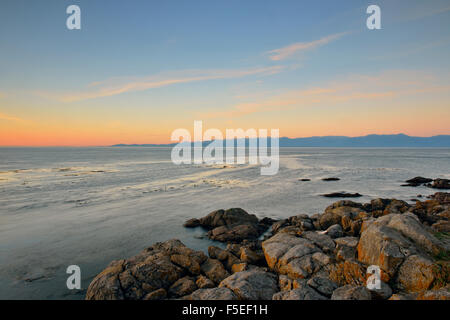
[88,206]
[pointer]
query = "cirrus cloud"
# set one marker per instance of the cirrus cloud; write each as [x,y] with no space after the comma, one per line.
[299,47]
[115,86]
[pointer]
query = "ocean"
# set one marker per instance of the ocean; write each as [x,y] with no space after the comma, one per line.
[89,206]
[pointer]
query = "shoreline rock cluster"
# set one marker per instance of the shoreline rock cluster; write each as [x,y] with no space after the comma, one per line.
[319,257]
[431,183]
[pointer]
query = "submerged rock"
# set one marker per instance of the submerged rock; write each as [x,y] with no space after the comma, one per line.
[342,195]
[331,179]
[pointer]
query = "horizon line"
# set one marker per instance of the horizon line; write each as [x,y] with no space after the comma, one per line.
[172,143]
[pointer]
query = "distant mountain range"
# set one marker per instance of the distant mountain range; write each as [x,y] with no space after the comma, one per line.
[369,141]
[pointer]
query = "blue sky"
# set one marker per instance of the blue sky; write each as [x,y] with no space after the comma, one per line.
[221,51]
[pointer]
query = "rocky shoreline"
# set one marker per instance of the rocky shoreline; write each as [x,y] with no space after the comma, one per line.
[319,257]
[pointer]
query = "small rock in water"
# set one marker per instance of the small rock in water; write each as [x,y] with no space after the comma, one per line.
[342,195]
[441,184]
[419,180]
[331,179]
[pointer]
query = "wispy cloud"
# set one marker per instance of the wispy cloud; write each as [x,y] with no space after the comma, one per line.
[117,86]
[352,89]
[9,118]
[299,47]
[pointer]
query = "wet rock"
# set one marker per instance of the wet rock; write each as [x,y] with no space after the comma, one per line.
[251,257]
[419,180]
[235,233]
[228,217]
[192,223]
[277,226]
[323,285]
[159,294]
[212,294]
[182,287]
[203,282]
[331,179]
[342,195]
[225,256]
[191,263]
[350,292]
[232,225]
[214,270]
[304,179]
[252,284]
[335,231]
[441,184]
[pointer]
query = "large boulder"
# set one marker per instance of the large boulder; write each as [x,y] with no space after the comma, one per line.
[253,284]
[389,240]
[415,274]
[150,270]
[290,255]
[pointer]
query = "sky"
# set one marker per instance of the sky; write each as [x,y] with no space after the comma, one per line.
[139,69]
